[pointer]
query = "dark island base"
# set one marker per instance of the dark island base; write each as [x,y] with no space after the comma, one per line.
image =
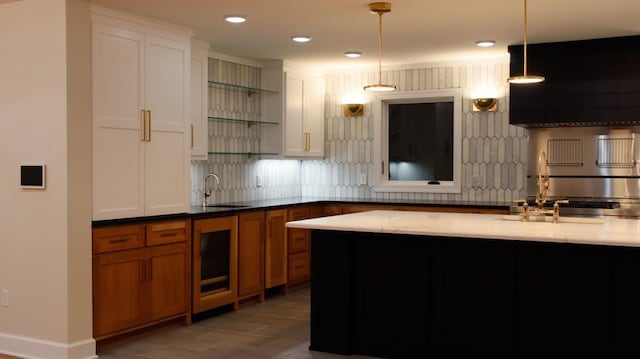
[402,296]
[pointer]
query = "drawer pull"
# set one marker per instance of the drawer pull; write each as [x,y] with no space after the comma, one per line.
[118,240]
[300,266]
[164,235]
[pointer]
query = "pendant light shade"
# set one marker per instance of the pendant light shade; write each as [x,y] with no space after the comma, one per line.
[525,78]
[380,8]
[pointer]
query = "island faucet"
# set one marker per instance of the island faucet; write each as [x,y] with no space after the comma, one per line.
[543,180]
[208,192]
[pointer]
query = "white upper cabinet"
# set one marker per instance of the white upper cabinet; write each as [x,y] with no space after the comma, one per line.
[141,105]
[199,99]
[299,108]
[304,115]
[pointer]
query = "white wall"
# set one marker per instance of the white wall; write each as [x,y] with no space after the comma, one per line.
[45,245]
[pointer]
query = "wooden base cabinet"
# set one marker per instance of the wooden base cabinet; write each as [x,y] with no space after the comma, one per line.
[141,276]
[298,244]
[251,255]
[275,266]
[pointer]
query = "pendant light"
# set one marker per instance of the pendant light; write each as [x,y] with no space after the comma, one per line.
[525,78]
[380,8]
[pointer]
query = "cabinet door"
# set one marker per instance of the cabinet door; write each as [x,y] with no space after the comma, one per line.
[118,148]
[250,253]
[167,166]
[168,278]
[118,296]
[304,115]
[314,115]
[276,248]
[294,116]
[199,100]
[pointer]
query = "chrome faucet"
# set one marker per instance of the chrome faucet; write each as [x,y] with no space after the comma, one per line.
[208,192]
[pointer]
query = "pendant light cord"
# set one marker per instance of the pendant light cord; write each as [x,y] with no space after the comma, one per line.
[525,38]
[379,47]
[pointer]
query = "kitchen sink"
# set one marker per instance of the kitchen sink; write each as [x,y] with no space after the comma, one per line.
[226,206]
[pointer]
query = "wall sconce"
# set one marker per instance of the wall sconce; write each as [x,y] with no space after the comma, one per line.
[486,104]
[352,109]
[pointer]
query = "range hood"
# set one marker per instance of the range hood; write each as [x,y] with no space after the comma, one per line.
[588,83]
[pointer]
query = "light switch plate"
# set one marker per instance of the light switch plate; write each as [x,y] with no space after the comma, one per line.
[33,175]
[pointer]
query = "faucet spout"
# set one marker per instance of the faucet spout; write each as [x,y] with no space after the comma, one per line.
[543,180]
[208,191]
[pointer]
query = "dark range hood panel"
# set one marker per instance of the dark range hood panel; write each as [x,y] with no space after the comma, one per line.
[588,83]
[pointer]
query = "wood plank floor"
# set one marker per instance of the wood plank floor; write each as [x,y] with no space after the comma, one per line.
[277,328]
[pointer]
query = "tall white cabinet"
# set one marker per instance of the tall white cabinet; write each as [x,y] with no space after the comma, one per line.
[141,122]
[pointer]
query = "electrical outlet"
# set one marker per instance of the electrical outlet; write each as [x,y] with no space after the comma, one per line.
[258,181]
[477,181]
[4,298]
[363,179]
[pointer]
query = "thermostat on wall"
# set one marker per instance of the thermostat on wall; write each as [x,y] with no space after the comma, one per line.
[32,176]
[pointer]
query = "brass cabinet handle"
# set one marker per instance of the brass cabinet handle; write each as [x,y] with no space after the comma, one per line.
[168,234]
[118,240]
[149,125]
[307,141]
[143,118]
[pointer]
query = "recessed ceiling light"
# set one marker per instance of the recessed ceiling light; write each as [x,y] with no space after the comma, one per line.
[485,43]
[301,38]
[353,54]
[235,19]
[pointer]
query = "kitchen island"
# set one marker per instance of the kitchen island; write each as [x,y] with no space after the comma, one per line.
[445,285]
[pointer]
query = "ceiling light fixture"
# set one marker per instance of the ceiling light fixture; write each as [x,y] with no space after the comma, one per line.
[525,78]
[380,8]
[353,54]
[300,38]
[485,43]
[235,19]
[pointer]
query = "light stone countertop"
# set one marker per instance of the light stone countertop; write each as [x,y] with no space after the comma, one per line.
[598,231]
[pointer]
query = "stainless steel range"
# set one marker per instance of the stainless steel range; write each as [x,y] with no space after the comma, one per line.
[595,168]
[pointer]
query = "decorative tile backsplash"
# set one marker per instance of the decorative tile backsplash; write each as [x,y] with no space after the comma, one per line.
[493,152]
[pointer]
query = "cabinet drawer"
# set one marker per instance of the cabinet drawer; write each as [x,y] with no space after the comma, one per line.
[299,213]
[166,232]
[298,240]
[118,238]
[299,267]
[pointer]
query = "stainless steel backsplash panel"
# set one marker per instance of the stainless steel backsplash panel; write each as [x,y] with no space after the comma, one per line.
[586,162]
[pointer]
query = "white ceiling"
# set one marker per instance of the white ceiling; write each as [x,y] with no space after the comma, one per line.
[415,31]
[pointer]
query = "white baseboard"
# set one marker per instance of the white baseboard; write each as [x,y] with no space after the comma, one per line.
[31,348]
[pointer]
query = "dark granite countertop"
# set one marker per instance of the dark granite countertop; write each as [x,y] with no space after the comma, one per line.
[222,209]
